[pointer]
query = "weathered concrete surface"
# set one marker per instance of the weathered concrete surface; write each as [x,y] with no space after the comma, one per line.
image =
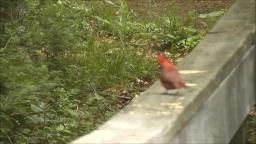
[156,118]
[225,110]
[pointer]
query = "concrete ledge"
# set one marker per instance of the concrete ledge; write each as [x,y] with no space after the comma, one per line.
[226,108]
[222,70]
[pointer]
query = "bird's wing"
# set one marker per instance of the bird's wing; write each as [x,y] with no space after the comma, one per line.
[170,76]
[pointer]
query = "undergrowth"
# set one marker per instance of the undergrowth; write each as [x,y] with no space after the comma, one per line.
[67,66]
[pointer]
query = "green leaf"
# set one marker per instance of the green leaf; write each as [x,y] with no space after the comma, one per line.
[35,108]
[110,2]
[60,127]
[36,119]
[211,15]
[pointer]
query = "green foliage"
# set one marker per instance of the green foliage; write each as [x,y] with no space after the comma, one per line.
[250,124]
[176,36]
[209,19]
[63,64]
[211,14]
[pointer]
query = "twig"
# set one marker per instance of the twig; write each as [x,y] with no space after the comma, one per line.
[10,139]
[8,41]
[125,97]
[109,108]
[104,94]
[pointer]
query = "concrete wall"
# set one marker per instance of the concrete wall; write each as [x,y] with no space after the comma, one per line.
[221,74]
[224,111]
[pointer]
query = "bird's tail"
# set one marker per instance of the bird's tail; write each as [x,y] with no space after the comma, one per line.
[182,85]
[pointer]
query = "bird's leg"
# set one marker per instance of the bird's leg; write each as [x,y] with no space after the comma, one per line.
[174,92]
[165,92]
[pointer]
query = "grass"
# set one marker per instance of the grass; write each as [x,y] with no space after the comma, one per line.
[68,66]
[250,123]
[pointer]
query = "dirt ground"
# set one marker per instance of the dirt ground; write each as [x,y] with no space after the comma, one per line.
[151,9]
[181,7]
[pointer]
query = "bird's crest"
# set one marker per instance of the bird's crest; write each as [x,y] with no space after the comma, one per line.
[163,60]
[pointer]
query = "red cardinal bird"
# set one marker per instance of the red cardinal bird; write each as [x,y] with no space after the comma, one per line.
[169,76]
